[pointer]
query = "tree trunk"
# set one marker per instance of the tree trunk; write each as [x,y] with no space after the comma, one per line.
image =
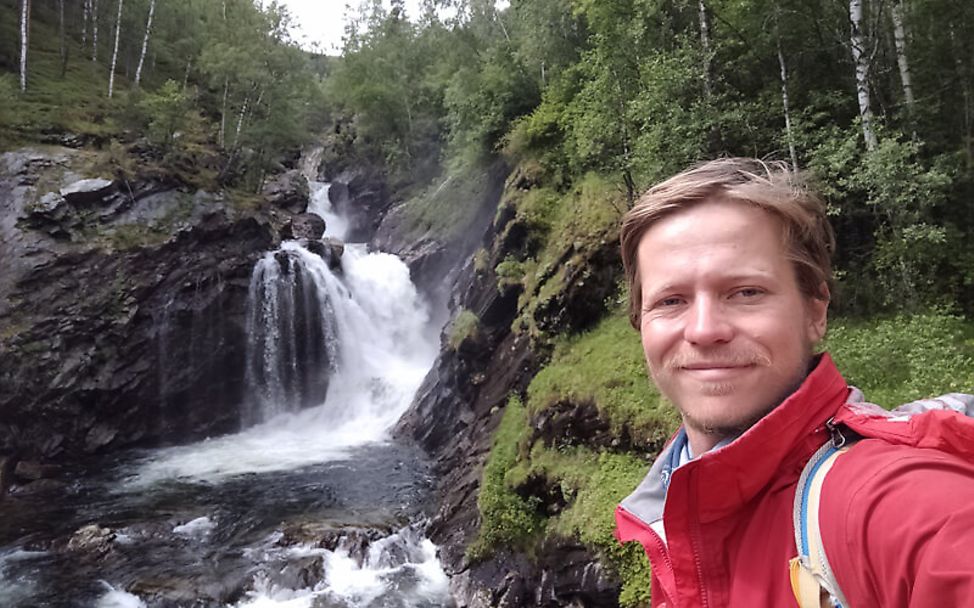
[85,12]
[708,75]
[24,41]
[63,49]
[784,94]
[221,138]
[94,30]
[861,62]
[118,31]
[145,42]
[189,64]
[899,38]
[957,51]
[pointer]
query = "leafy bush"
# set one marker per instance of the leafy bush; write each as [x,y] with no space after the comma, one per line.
[899,359]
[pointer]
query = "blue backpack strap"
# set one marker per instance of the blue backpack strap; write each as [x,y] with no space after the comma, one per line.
[812,579]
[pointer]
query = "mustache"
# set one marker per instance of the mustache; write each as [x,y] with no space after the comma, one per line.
[720,358]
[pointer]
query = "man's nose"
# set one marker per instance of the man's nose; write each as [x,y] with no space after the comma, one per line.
[707,322]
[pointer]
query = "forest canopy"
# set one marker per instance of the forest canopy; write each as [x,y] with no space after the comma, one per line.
[873,97]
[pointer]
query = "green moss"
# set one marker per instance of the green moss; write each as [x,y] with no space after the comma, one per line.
[507,519]
[448,206]
[605,366]
[563,225]
[898,359]
[465,325]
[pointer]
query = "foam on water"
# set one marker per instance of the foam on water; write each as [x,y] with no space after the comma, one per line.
[116,598]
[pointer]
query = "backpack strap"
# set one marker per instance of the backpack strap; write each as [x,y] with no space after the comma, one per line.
[812,580]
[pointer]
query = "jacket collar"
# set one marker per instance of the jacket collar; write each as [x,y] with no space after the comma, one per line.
[726,478]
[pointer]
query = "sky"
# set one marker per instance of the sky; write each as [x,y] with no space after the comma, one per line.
[323,21]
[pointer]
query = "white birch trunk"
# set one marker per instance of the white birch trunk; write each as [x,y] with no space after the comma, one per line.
[118,31]
[223,114]
[861,62]
[899,38]
[240,119]
[24,41]
[85,11]
[145,42]
[94,30]
[189,64]
[705,43]
[62,49]
[784,101]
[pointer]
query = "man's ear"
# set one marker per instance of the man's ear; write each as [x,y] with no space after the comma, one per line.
[818,313]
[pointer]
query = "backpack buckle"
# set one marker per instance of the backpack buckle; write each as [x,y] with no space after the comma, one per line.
[838,439]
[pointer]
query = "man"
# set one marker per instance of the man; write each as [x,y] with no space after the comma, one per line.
[728,266]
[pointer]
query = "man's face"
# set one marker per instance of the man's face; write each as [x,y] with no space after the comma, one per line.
[726,331]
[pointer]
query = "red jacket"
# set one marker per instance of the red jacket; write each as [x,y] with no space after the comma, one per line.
[897,512]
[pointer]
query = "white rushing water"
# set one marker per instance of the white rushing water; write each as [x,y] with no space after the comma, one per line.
[335,225]
[399,570]
[384,349]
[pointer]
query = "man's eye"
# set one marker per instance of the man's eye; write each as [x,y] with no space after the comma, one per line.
[748,292]
[668,302]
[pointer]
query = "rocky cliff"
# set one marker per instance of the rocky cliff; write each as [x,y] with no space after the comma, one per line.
[462,400]
[121,306]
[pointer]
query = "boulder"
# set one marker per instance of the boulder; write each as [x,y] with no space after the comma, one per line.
[92,540]
[289,191]
[329,249]
[309,226]
[87,191]
[31,470]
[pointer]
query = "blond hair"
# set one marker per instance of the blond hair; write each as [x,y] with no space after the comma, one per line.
[773,187]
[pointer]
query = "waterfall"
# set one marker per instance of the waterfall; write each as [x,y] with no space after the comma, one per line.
[334,357]
[291,336]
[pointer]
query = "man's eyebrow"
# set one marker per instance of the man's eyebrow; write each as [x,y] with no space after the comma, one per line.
[650,290]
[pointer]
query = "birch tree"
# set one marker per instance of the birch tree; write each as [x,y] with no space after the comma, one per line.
[862,61]
[118,30]
[94,30]
[784,91]
[899,39]
[708,76]
[145,42]
[24,41]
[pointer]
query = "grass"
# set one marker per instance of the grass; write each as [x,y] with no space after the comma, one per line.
[605,366]
[76,102]
[898,359]
[507,519]
[465,325]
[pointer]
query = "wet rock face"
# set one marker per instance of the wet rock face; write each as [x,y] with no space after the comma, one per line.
[122,315]
[308,226]
[288,191]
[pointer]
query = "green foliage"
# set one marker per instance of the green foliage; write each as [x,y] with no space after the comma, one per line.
[165,110]
[606,366]
[899,359]
[507,519]
[897,196]
[465,326]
